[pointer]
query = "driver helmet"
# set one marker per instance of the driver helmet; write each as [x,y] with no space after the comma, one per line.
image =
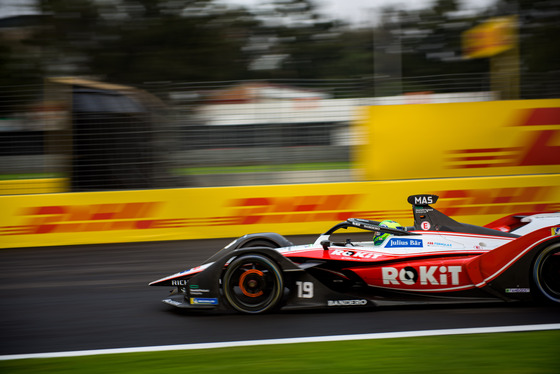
[380,237]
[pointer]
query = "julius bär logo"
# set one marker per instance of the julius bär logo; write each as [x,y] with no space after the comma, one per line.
[537,147]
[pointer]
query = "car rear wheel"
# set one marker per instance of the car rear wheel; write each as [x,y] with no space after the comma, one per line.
[546,273]
[253,284]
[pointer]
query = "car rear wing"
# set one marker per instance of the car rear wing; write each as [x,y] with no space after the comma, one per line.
[427,218]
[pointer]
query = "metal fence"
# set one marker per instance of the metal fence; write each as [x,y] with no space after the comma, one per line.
[76,135]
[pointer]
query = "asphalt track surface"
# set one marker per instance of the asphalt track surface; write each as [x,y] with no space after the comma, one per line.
[96,297]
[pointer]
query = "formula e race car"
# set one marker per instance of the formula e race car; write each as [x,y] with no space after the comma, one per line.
[438,260]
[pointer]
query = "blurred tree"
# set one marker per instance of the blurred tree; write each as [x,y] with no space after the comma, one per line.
[197,41]
[16,71]
[303,43]
[71,34]
[21,61]
[539,24]
[425,43]
[355,54]
[431,43]
[136,41]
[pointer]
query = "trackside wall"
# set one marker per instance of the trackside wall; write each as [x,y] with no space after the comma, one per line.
[153,215]
[519,137]
[485,160]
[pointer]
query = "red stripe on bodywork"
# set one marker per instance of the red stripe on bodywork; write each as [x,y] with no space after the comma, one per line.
[488,266]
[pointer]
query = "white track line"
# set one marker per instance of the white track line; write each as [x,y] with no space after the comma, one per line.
[315,339]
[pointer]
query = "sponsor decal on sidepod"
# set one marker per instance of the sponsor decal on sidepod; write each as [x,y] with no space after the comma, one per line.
[355,254]
[346,302]
[403,243]
[204,301]
[428,275]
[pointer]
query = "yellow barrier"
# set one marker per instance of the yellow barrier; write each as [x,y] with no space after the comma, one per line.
[460,140]
[485,160]
[27,186]
[151,215]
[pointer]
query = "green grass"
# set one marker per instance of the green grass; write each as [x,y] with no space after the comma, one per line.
[4,177]
[262,168]
[511,353]
[213,170]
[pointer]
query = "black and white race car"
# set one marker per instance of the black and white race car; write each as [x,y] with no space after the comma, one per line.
[438,260]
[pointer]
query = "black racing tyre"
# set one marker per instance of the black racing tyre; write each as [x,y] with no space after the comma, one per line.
[259,243]
[546,273]
[253,284]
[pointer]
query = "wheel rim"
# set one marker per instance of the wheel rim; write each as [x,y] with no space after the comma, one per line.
[253,284]
[547,273]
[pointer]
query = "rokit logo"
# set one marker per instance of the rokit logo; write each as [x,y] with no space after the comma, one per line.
[355,254]
[426,275]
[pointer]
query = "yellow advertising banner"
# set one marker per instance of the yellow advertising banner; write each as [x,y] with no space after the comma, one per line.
[520,137]
[490,38]
[27,186]
[198,213]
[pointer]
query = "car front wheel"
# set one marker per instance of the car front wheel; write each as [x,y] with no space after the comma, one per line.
[253,284]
